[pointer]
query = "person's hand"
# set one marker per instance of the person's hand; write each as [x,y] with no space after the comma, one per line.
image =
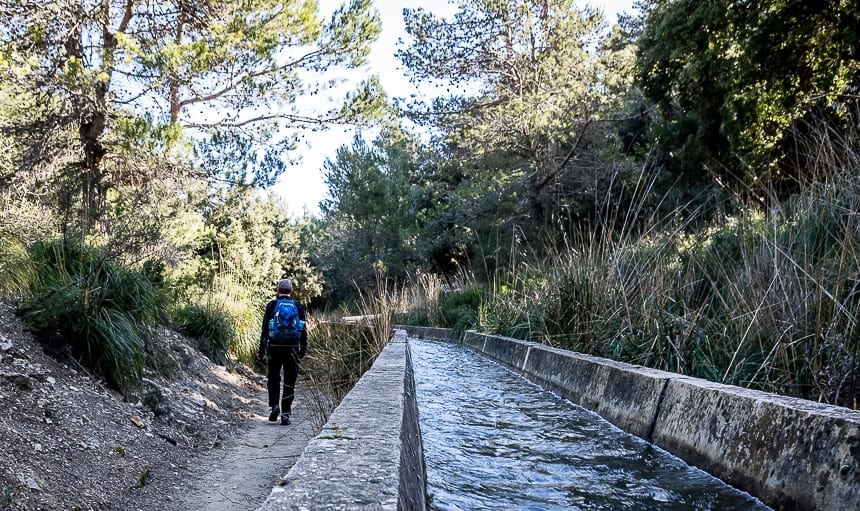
[261,360]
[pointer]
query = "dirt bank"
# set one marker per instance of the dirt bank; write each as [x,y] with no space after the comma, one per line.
[67,442]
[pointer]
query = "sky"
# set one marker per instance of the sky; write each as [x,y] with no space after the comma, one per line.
[303,185]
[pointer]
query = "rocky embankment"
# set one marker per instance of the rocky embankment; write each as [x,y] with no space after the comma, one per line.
[68,442]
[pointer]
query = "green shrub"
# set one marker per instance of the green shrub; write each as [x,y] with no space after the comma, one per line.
[238,304]
[93,308]
[246,342]
[210,325]
[461,310]
[225,321]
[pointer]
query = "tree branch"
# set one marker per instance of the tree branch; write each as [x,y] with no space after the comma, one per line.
[294,118]
[235,82]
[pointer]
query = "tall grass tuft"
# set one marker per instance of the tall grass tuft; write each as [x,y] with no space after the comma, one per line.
[17,272]
[245,315]
[209,325]
[765,299]
[340,351]
[421,299]
[225,322]
[92,308]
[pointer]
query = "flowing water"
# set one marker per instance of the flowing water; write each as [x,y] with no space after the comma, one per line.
[493,440]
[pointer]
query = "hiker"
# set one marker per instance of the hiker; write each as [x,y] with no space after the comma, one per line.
[283,342]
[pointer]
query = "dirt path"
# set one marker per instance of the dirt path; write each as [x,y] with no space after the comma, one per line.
[240,474]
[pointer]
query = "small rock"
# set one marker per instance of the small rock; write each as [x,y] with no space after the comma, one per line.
[33,485]
[6,346]
[137,421]
[37,447]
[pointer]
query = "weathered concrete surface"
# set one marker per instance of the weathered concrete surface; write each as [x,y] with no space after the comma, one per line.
[413,478]
[430,333]
[368,455]
[793,454]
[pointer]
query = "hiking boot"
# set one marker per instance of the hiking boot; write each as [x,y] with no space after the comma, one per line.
[285,419]
[273,416]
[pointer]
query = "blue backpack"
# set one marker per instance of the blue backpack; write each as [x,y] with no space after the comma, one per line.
[285,327]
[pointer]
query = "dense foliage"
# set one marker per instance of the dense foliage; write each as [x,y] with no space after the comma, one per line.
[677,190]
[734,81]
[98,310]
[139,135]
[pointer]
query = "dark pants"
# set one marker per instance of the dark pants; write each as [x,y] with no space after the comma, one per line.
[288,359]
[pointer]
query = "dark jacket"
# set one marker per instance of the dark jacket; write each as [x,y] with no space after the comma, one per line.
[264,332]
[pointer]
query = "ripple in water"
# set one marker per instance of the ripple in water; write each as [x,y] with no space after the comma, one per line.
[493,440]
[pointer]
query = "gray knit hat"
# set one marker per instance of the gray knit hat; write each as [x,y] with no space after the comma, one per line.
[285,286]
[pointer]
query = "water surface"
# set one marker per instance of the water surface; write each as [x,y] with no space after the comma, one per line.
[493,440]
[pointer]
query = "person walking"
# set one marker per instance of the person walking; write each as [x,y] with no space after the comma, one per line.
[283,343]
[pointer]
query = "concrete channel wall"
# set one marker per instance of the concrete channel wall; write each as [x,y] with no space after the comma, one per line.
[368,455]
[792,454]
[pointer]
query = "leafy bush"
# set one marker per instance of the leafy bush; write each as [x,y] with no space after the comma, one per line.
[93,308]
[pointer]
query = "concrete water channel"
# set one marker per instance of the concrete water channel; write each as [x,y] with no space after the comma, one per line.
[492,440]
